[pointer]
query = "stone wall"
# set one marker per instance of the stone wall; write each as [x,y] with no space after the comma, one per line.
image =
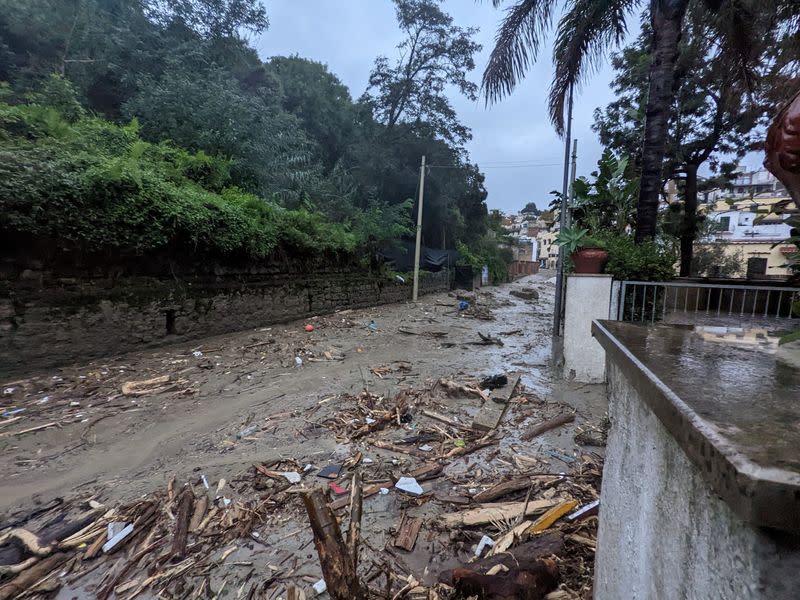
[46,321]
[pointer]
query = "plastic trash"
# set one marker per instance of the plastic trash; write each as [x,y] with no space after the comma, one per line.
[384,491]
[459,443]
[463,305]
[249,430]
[205,481]
[372,326]
[320,586]
[370,421]
[400,279]
[485,541]
[292,476]
[14,411]
[298,362]
[426,448]
[409,485]
[120,535]
[309,327]
[197,354]
[8,391]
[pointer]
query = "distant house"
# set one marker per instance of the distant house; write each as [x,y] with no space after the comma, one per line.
[755,227]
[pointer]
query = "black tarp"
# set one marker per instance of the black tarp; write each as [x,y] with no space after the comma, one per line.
[401,258]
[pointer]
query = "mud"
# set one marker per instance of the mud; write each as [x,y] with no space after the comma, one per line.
[114,448]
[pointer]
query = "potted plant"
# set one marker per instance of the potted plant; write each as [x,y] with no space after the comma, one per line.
[586,254]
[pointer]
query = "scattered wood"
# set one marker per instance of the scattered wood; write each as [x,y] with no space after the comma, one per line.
[30,429]
[424,473]
[453,388]
[407,533]
[552,515]
[395,448]
[31,576]
[200,508]
[336,562]
[500,511]
[443,419]
[502,489]
[547,426]
[145,386]
[182,517]
[354,530]
[579,539]
[526,573]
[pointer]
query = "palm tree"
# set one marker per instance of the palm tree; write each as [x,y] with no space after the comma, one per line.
[590,27]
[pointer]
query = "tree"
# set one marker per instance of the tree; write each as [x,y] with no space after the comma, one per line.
[586,29]
[435,54]
[530,209]
[714,117]
[211,18]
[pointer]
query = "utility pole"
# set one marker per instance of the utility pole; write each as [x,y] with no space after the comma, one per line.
[419,228]
[572,180]
[562,220]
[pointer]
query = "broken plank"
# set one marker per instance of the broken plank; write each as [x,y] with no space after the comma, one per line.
[407,533]
[394,448]
[547,426]
[425,472]
[502,489]
[491,413]
[500,511]
[503,394]
[552,515]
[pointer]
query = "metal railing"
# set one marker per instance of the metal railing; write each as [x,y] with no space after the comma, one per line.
[677,301]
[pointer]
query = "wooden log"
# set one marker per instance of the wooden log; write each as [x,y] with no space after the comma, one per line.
[547,426]
[502,489]
[29,577]
[182,517]
[200,508]
[395,448]
[336,562]
[500,511]
[407,533]
[354,531]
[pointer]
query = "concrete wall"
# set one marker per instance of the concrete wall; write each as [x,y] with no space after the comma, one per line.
[47,322]
[588,298]
[664,534]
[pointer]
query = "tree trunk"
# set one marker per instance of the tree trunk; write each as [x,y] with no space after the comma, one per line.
[667,17]
[689,229]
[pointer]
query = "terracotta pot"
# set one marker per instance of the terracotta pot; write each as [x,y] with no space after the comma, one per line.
[589,260]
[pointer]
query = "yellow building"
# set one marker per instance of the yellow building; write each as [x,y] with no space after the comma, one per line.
[751,230]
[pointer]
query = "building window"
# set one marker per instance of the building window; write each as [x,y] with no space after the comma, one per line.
[756,266]
[724,223]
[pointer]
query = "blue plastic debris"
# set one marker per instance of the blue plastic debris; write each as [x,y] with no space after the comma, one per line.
[463,305]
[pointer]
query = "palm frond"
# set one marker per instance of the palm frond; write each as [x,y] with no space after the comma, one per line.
[516,46]
[584,33]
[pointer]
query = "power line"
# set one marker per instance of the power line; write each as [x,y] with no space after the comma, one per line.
[499,166]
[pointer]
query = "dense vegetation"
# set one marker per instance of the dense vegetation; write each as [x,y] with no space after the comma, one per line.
[143,125]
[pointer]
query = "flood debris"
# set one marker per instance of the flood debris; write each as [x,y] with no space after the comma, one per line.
[424,490]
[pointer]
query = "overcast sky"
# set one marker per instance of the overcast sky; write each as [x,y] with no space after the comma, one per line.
[347,35]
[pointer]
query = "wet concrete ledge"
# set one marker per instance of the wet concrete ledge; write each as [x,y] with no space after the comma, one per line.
[733,409]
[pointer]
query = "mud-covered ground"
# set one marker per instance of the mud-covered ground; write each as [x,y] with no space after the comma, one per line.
[226,403]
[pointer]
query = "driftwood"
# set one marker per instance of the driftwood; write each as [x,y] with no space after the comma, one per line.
[407,533]
[354,532]
[336,562]
[395,448]
[523,574]
[182,517]
[200,508]
[29,577]
[547,426]
[502,489]
[500,511]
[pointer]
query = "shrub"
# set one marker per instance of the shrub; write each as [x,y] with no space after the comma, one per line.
[645,261]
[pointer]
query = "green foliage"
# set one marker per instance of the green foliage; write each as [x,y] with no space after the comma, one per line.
[193,102]
[486,252]
[645,261]
[711,260]
[531,209]
[608,203]
[102,186]
[572,238]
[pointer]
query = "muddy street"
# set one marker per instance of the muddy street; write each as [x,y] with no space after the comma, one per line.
[254,416]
